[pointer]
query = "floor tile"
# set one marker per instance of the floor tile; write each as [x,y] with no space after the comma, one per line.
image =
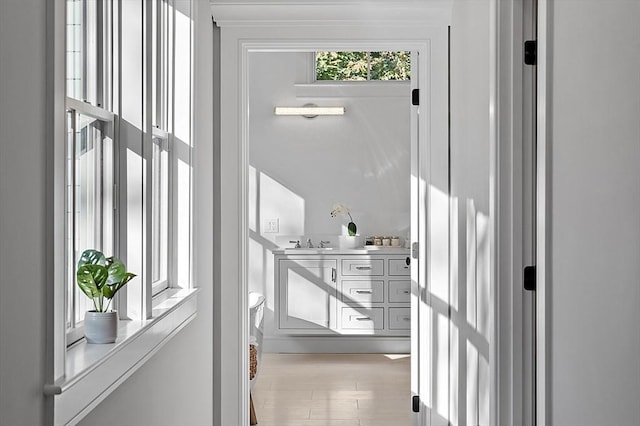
[333,390]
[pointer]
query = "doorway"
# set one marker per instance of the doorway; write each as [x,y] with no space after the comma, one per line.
[429,177]
[299,168]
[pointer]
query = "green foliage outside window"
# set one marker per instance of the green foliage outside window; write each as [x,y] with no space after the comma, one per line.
[355,66]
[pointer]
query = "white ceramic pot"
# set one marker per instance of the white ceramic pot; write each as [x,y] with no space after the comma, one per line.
[101,327]
[350,242]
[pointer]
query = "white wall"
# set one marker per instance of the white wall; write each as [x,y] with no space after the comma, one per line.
[23,242]
[594,195]
[360,159]
[301,167]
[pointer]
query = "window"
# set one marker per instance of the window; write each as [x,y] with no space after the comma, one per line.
[362,66]
[90,201]
[95,165]
[161,206]
[90,153]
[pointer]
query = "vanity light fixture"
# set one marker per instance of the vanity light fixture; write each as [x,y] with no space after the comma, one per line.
[309,110]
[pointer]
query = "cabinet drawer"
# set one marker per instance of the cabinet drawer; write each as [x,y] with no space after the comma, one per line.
[400,266]
[399,291]
[400,318]
[363,267]
[363,291]
[363,318]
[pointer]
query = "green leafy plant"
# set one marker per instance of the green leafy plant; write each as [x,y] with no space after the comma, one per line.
[353,66]
[101,277]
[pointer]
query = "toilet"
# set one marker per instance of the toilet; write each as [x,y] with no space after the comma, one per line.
[256,322]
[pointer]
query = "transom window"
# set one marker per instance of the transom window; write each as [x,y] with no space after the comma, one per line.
[363,66]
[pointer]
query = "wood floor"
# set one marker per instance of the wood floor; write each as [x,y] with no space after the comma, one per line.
[333,390]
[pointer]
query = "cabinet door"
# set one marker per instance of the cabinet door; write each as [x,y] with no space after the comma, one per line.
[307,294]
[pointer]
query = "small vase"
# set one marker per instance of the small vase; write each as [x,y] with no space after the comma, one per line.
[101,327]
[350,241]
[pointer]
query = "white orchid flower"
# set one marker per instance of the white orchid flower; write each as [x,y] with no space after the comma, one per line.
[339,209]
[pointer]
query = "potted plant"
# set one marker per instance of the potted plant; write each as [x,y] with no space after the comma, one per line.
[100,278]
[352,239]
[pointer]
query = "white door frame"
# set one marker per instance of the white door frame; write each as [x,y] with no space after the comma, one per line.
[253,28]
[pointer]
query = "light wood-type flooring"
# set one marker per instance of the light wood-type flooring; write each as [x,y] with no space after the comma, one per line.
[333,390]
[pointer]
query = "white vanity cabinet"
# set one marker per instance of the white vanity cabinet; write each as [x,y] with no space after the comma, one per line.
[346,292]
[306,295]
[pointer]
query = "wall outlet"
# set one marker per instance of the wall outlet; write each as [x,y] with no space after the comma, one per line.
[272,226]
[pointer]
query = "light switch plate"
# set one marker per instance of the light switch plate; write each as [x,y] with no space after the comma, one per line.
[272,226]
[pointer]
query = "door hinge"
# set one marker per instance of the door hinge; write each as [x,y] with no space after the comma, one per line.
[531,52]
[415,403]
[415,97]
[530,278]
[415,249]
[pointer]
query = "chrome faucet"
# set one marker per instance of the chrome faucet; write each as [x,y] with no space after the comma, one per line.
[297,243]
[322,243]
[309,243]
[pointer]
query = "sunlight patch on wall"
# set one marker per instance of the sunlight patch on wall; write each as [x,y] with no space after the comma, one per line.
[439,256]
[442,354]
[471,253]
[483,276]
[278,201]
[472,384]
[454,372]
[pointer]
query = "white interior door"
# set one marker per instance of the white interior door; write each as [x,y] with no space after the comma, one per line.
[430,332]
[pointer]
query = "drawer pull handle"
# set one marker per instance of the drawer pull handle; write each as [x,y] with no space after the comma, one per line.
[406,319]
[406,292]
[363,319]
[363,268]
[363,291]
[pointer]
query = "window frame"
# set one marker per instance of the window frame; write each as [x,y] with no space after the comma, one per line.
[162,45]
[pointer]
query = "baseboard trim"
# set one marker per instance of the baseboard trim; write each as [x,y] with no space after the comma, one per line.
[344,344]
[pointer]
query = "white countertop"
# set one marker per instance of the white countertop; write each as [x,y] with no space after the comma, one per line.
[338,251]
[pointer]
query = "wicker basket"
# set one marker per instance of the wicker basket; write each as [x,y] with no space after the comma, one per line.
[253,361]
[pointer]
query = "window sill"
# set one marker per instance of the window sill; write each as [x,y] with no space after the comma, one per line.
[361,89]
[94,371]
